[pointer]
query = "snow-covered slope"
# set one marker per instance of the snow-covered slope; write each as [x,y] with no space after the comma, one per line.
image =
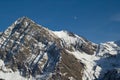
[29,51]
[105,58]
[74,42]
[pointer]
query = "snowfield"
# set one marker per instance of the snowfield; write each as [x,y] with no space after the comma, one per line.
[98,64]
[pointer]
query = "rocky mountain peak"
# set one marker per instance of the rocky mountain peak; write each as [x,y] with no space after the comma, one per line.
[31,51]
[23,19]
[28,48]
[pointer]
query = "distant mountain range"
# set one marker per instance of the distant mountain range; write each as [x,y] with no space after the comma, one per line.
[29,51]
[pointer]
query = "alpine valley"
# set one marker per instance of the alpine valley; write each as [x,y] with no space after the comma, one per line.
[29,51]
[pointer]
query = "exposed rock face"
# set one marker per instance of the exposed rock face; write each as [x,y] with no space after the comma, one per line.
[30,51]
[35,50]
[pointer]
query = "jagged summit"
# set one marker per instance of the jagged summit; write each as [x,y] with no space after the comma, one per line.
[36,51]
[29,48]
[31,51]
[23,19]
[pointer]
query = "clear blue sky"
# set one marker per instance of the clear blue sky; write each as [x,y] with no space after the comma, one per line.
[97,20]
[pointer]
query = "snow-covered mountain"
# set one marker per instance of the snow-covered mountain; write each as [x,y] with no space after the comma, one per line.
[29,51]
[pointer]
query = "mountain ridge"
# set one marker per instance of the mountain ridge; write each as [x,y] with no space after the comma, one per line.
[31,51]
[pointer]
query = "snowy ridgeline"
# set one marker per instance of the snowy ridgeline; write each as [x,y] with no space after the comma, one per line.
[106,59]
[43,51]
[96,65]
